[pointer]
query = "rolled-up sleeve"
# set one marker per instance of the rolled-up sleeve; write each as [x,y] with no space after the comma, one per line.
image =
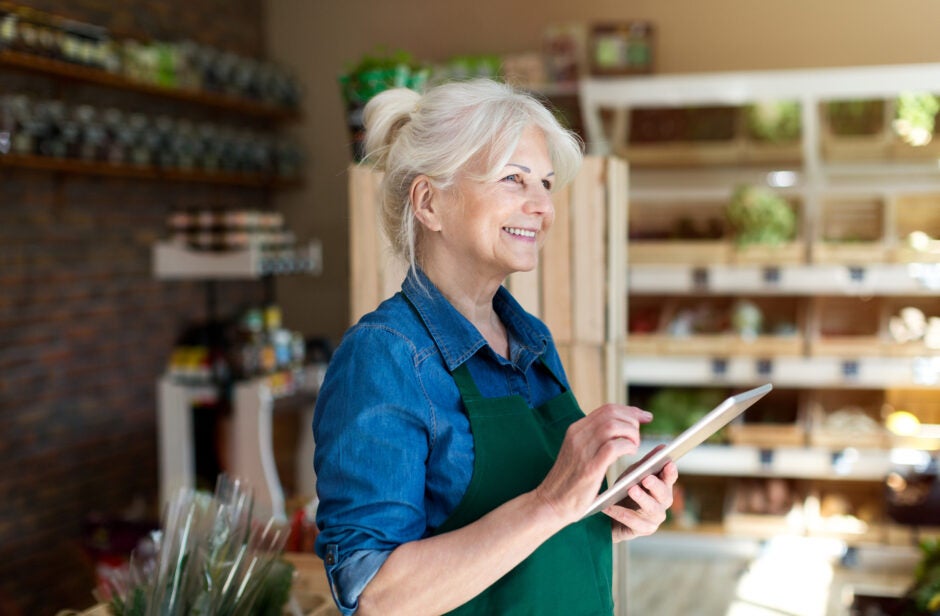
[372,431]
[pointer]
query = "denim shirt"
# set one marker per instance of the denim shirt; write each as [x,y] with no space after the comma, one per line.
[394,452]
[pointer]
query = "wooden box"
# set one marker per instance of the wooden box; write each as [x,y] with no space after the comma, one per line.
[840,418]
[692,232]
[846,510]
[847,327]
[861,134]
[851,231]
[678,136]
[897,330]
[778,421]
[703,326]
[764,507]
[916,213]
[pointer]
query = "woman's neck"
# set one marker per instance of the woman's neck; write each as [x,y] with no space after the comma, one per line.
[474,300]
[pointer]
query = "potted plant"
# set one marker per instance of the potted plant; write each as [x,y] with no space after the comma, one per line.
[371,75]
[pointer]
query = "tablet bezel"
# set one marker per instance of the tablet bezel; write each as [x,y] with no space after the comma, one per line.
[654,461]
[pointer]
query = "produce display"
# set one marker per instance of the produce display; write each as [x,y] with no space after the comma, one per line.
[759,216]
[916,113]
[676,408]
[774,121]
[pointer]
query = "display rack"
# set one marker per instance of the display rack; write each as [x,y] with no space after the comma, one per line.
[892,191]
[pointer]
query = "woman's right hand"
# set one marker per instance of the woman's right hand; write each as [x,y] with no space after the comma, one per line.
[591,445]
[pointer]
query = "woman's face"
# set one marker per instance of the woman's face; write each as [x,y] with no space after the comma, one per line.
[496,227]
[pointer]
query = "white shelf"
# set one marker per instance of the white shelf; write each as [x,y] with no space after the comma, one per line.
[789,372]
[790,462]
[738,88]
[878,279]
[175,261]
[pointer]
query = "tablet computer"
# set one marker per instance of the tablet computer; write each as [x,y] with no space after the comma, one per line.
[655,460]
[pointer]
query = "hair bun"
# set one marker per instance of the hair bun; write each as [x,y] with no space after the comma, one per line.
[384,115]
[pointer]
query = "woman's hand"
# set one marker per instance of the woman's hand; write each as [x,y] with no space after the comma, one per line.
[652,496]
[591,445]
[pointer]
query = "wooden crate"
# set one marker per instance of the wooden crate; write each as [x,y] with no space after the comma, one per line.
[826,415]
[743,517]
[680,252]
[929,306]
[679,231]
[848,327]
[778,421]
[791,253]
[374,272]
[916,212]
[722,341]
[847,510]
[677,136]
[851,231]
[873,142]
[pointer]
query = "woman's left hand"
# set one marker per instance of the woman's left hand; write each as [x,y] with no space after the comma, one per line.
[653,496]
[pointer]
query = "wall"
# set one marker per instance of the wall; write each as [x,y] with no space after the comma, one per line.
[85,329]
[319,39]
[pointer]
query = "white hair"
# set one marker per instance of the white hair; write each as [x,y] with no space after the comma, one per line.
[442,133]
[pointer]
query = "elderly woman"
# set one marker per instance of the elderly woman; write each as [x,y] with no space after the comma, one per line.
[453,462]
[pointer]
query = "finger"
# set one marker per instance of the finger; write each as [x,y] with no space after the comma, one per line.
[633,523]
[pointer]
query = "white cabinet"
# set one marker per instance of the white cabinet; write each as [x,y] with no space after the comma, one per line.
[850,269]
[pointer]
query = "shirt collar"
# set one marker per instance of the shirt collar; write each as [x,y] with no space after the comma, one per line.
[455,336]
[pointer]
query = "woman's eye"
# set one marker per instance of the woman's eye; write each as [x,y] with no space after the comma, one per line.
[515,177]
[547,184]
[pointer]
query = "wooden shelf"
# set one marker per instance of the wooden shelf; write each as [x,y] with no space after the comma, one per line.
[77,72]
[82,167]
[172,261]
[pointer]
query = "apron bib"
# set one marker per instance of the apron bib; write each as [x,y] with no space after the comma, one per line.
[514,448]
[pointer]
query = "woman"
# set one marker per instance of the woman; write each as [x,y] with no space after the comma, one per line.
[453,463]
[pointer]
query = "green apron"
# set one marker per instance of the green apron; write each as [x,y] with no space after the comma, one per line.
[514,448]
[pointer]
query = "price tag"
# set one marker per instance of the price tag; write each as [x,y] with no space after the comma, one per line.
[766,458]
[764,367]
[850,369]
[700,278]
[771,276]
[719,366]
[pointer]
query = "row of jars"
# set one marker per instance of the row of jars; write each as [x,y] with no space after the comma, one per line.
[52,128]
[183,64]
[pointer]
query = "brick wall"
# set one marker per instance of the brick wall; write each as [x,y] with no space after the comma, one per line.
[85,329]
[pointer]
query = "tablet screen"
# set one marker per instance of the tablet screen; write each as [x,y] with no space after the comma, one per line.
[655,460]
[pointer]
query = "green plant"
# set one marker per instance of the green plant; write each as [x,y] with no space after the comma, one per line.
[916,114]
[774,121]
[855,117]
[381,71]
[759,216]
[925,591]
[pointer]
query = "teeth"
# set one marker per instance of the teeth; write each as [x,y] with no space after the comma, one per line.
[519,232]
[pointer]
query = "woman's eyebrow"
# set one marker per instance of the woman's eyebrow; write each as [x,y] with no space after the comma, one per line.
[527,170]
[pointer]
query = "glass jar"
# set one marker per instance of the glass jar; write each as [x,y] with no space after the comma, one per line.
[116,147]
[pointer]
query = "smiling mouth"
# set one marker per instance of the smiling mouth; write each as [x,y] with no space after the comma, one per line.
[527,233]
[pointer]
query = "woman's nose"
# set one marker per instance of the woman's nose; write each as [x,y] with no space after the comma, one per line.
[540,202]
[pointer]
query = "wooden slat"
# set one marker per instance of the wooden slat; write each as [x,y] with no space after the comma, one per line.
[556,270]
[585,371]
[588,253]
[364,240]
[525,287]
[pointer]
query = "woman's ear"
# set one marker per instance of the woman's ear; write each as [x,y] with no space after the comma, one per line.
[424,202]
